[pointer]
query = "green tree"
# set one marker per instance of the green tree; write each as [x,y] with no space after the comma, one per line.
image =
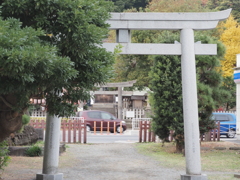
[166,98]
[176,6]
[230,86]
[220,5]
[121,5]
[54,49]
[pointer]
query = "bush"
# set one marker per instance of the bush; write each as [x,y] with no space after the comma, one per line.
[34,151]
[25,119]
[4,158]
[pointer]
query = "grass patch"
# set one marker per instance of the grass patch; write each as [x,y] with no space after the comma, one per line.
[221,177]
[211,160]
[165,154]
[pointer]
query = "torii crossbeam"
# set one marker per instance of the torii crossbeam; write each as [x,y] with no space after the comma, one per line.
[119,85]
[123,23]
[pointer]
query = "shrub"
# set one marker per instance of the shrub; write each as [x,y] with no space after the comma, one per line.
[34,151]
[4,158]
[25,119]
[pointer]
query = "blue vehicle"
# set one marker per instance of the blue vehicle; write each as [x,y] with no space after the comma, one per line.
[227,123]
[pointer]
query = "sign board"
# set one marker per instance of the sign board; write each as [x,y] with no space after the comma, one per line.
[237,76]
[130,114]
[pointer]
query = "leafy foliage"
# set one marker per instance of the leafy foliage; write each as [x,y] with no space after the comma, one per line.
[229,86]
[121,5]
[220,5]
[25,119]
[166,99]
[34,151]
[231,39]
[176,6]
[52,51]
[4,158]
[64,54]
[27,65]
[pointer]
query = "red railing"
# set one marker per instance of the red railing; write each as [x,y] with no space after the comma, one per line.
[72,130]
[145,133]
[212,135]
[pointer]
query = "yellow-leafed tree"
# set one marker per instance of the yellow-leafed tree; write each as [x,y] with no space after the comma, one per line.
[231,39]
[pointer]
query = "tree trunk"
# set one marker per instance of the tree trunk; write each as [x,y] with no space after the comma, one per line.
[10,121]
[179,143]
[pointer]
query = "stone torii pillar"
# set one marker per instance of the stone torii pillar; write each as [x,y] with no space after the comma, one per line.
[186,23]
[237,81]
[119,85]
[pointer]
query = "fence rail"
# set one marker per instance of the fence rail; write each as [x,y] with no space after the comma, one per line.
[145,133]
[212,134]
[72,130]
[136,122]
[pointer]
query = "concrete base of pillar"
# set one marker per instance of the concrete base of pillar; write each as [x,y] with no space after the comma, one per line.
[194,177]
[237,136]
[237,176]
[58,176]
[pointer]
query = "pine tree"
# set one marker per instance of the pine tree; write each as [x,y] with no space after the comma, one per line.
[166,97]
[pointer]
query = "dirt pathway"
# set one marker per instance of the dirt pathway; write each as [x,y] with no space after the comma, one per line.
[95,162]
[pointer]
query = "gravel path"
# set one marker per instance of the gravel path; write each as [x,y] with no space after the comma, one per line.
[112,161]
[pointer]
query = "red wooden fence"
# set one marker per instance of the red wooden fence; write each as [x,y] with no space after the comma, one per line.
[212,135]
[145,133]
[72,130]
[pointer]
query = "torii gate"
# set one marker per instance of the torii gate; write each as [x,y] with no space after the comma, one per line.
[119,85]
[187,23]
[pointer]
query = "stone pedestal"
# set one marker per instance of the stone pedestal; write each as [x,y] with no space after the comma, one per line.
[194,177]
[49,176]
[237,176]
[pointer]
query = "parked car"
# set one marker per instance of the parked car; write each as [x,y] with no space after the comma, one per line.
[227,123]
[102,118]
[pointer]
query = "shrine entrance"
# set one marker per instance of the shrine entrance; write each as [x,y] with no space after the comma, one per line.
[123,23]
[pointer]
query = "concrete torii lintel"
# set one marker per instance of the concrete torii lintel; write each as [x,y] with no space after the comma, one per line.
[119,84]
[171,21]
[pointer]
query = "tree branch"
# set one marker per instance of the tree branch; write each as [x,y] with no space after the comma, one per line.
[5,102]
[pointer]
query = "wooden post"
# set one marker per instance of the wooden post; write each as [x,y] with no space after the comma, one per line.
[149,132]
[94,127]
[108,127]
[43,124]
[74,131]
[121,127]
[140,131]
[85,133]
[101,127]
[80,131]
[69,130]
[114,127]
[218,129]
[64,130]
[145,131]
[153,137]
